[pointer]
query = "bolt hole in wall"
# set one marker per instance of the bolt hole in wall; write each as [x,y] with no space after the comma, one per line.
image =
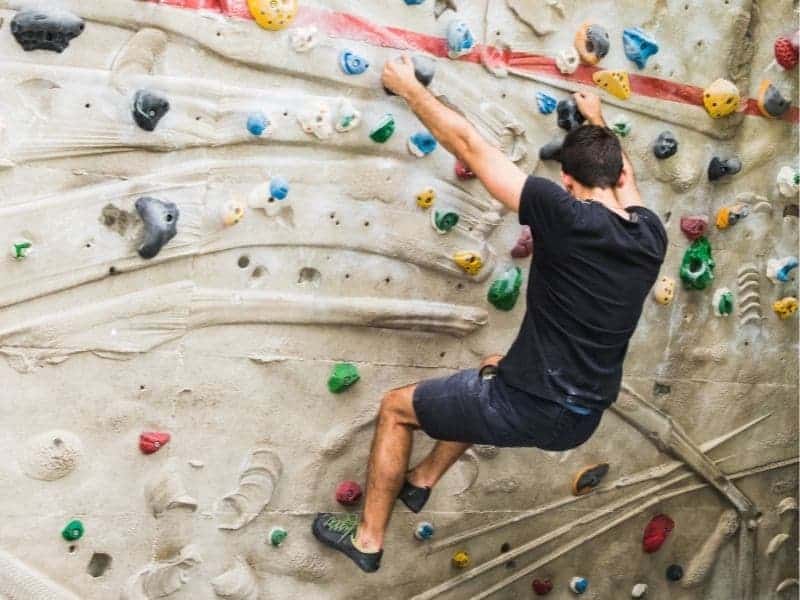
[98,564]
[72,548]
[309,276]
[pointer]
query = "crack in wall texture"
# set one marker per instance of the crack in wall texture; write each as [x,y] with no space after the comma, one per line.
[227,336]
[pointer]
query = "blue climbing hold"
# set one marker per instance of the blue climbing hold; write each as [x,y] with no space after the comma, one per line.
[257,123]
[278,188]
[783,273]
[351,63]
[424,531]
[414,2]
[547,103]
[578,585]
[421,144]
[639,46]
[459,39]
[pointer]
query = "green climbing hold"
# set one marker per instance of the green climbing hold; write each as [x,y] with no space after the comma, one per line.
[723,302]
[20,250]
[383,130]
[443,221]
[505,290]
[697,267]
[73,531]
[277,535]
[342,377]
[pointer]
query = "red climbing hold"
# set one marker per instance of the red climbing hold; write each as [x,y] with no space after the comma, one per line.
[786,51]
[152,441]
[542,586]
[348,493]
[524,246]
[657,532]
[694,227]
[463,171]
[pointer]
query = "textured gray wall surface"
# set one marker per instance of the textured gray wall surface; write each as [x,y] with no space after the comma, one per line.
[226,337]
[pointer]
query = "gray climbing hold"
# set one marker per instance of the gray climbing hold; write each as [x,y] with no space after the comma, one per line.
[551,150]
[719,168]
[569,117]
[148,109]
[160,224]
[666,145]
[771,102]
[424,71]
[50,30]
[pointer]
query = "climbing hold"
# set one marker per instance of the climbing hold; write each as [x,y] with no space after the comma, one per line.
[40,30]
[303,39]
[152,441]
[160,224]
[567,61]
[73,531]
[148,109]
[421,144]
[788,181]
[423,531]
[551,150]
[383,130]
[463,171]
[20,249]
[697,267]
[471,262]
[578,584]
[524,246]
[719,168]
[666,145]
[348,117]
[504,291]
[791,210]
[257,123]
[272,14]
[779,269]
[770,101]
[542,587]
[639,590]
[621,125]
[785,307]
[426,198]
[232,212]
[414,2]
[722,302]
[460,560]
[588,478]
[694,226]
[459,39]
[664,290]
[656,533]
[351,63]
[786,51]
[616,83]
[443,221]
[546,102]
[278,188]
[674,572]
[317,121]
[342,377]
[424,71]
[277,535]
[348,493]
[568,115]
[592,43]
[721,98]
[730,215]
[638,45]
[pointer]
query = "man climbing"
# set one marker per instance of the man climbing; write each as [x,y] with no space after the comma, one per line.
[597,253]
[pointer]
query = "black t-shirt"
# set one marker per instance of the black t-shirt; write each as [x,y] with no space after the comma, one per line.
[591,272]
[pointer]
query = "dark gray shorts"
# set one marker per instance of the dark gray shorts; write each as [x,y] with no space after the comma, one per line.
[466,408]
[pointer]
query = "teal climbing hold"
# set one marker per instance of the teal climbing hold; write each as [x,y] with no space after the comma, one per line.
[424,531]
[638,46]
[383,130]
[697,267]
[443,221]
[277,535]
[504,292]
[73,531]
[342,377]
[546,102]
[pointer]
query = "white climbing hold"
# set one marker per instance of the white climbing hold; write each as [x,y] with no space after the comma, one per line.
[317,121]
[789,182]
[775,544]
[639,590]
[196,464]
[786,584]
[787,505]
[568,60]
[347,117]
[304,39]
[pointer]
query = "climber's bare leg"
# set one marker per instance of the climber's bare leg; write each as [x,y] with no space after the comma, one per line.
[431,469]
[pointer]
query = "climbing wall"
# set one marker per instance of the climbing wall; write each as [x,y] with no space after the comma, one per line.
[224,241]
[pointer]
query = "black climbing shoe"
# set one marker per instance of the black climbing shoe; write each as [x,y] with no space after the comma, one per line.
[414,497]
[338,531]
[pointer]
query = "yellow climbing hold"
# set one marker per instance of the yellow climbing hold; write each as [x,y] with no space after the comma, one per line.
[460,560]
[232,212]
[273,14]
[664,290]
[616,83]
[426,198]
[469,261]
[785,307]
[721,98]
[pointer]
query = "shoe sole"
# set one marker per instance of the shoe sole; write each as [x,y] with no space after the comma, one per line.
[319,535]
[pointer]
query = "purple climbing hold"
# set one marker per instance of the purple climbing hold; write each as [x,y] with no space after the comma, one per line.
[524,246]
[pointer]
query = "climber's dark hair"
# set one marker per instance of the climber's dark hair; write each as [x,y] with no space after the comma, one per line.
[592,155]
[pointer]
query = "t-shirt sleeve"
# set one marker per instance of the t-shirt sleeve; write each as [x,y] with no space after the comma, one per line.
[545,206]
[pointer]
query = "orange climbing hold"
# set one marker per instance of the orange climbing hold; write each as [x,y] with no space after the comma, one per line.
[657,532]
[273,14]
[588,478]
[721,98]
[616,83]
